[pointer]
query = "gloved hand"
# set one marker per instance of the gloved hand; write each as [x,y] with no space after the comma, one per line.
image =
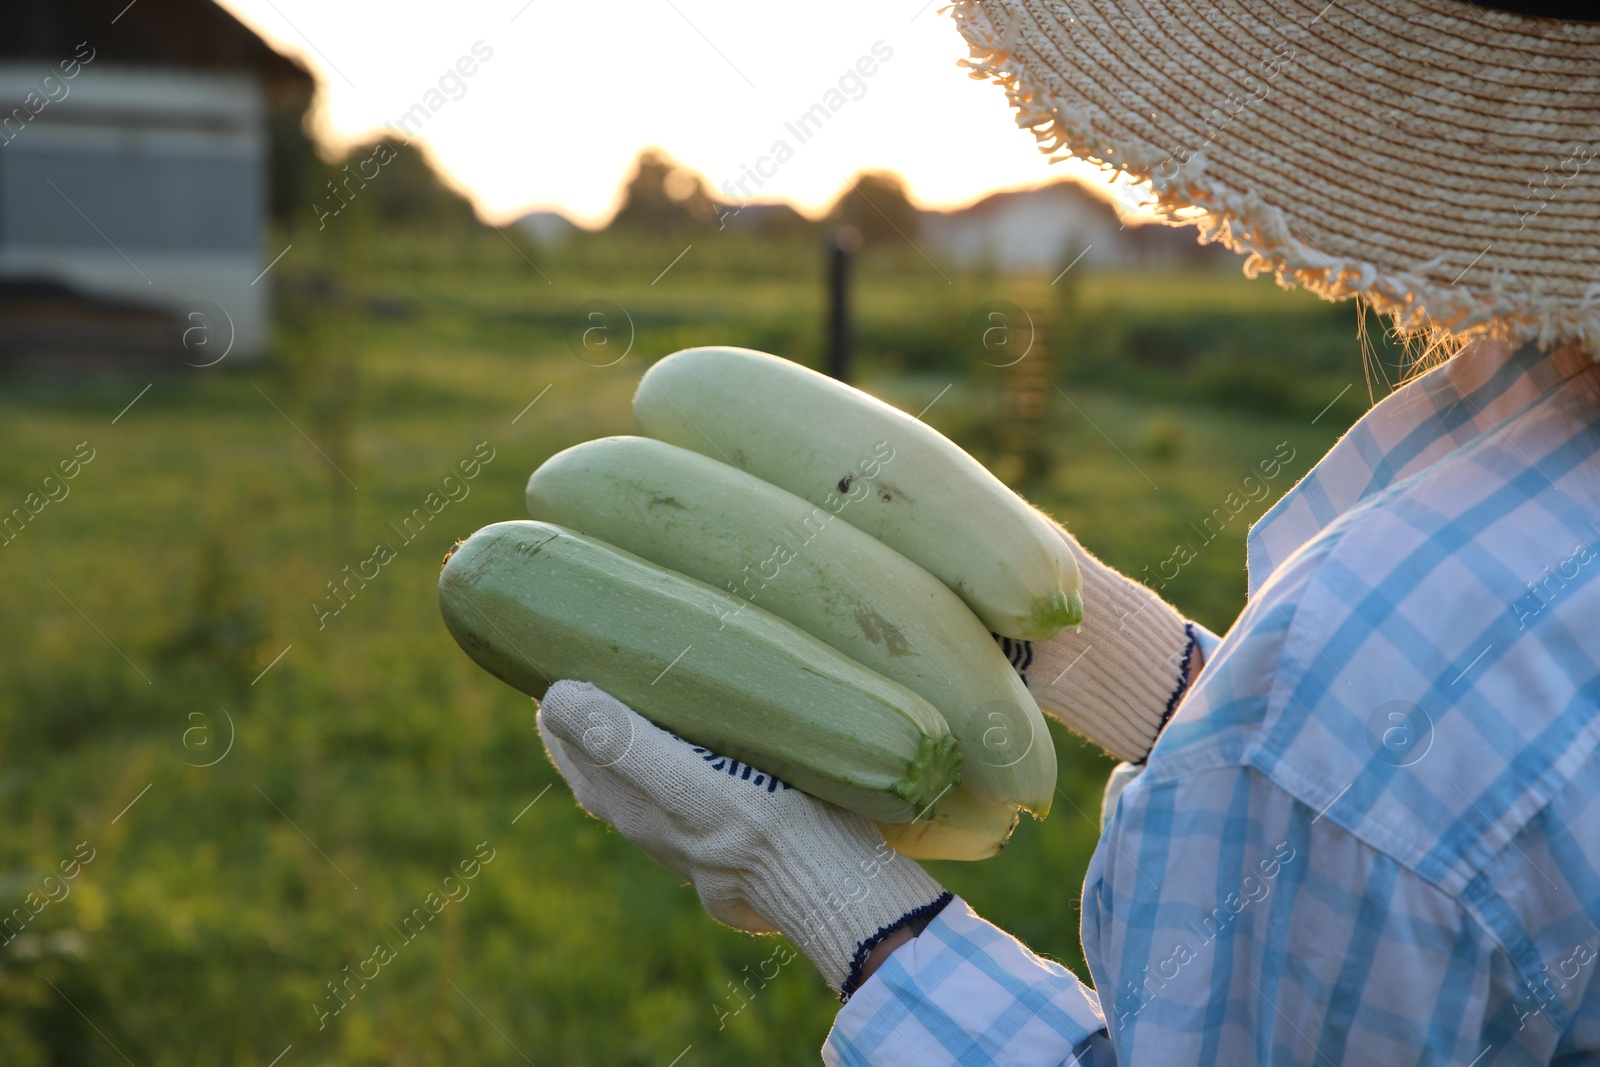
[1116,677]
[764,857]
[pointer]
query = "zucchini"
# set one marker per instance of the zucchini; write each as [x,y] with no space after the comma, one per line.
[881,470]
[532,602]
[777,552]
[965,828]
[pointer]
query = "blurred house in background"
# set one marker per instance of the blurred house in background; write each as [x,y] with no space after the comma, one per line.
[550,229]
[135,162]
[1048,227]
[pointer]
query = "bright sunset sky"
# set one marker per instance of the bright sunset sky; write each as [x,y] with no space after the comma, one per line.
[571,92]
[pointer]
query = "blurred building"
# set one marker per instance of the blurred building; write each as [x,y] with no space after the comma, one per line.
[134,184]
[1047,227]
[549,229]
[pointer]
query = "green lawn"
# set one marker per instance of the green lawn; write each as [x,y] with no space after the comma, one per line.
[172,592]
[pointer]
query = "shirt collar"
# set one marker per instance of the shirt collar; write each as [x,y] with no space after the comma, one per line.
[1412,428]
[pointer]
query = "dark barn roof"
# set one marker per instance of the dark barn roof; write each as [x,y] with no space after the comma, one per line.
[48,325]
[189,34]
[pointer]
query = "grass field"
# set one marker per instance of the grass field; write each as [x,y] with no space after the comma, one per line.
[162,615]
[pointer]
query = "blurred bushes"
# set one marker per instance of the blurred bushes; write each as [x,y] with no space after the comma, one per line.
[1291,360]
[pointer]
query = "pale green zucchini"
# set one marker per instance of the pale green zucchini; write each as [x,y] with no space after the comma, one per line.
[533,603]
[702,518]
[881,470]
[965,828]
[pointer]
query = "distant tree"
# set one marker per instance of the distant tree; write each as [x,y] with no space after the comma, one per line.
[875,203]
[662,197]
[387,183]
[410,189]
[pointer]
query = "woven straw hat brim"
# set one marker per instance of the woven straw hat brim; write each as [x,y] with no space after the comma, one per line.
[1439,158]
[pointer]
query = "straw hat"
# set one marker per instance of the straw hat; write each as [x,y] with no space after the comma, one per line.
[1440,157]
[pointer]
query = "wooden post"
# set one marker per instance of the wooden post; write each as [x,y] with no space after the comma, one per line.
[846,240]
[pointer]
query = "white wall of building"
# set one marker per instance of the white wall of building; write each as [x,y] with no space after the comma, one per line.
[139,185]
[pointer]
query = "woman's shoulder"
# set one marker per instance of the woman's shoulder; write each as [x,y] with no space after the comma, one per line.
[1486,394]
[1430,660]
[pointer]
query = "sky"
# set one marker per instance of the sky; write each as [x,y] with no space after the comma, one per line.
[528,104]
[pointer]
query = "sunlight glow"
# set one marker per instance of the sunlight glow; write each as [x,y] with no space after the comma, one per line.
[526,105]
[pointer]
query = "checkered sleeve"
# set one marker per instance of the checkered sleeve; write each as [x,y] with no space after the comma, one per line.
[965,991]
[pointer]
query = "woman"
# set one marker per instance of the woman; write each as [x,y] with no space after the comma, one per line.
[1368,830]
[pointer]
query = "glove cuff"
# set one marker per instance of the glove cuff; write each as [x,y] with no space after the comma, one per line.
[1117,679]
[837,908]
[916,918]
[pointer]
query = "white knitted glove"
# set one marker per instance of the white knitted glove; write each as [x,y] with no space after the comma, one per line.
[1118,675]
[764,857]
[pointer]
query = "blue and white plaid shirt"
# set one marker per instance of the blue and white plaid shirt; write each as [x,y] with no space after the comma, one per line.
[1371,832]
